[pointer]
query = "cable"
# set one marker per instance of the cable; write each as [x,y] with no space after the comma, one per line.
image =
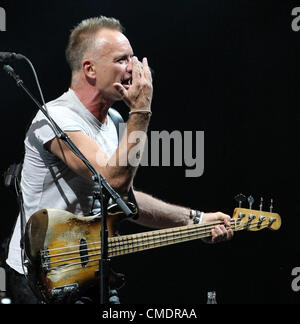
[36,78]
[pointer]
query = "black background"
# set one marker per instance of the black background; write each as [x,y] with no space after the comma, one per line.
[228,68]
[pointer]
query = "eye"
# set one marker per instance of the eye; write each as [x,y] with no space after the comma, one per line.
[125,59]
[122,60]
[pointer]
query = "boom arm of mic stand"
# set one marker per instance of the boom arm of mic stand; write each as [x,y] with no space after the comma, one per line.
[97,178]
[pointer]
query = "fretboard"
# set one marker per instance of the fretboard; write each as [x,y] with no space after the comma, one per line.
[126,244]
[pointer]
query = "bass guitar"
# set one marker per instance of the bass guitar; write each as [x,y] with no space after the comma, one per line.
[63,250]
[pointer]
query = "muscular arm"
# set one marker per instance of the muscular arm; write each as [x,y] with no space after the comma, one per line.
[117,170]
[156,213]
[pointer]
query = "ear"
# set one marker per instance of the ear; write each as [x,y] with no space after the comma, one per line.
[89,69]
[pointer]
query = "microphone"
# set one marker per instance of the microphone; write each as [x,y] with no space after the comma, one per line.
[7,57]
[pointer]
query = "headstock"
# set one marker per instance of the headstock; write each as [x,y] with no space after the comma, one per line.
[254,220]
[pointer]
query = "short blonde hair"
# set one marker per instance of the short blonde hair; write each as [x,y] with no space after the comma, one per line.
[82,38]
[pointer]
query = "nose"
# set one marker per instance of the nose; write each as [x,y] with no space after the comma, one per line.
[129,66]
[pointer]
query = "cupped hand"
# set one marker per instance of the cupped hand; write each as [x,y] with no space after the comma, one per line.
[219,233]
[139,94]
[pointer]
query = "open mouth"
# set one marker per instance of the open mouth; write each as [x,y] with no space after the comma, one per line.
[126,83]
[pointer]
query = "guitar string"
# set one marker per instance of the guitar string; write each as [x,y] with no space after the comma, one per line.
[94,260]
[124,239]
[141,237]
[120,249]
[178,229]
[124,246]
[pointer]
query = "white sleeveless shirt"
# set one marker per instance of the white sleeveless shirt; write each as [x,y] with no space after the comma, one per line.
[46,181]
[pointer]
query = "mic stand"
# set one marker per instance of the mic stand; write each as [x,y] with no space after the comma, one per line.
[100,184]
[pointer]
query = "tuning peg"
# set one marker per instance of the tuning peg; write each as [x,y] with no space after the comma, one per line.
[250,201]
[240,198]
[261,203]
[271,206]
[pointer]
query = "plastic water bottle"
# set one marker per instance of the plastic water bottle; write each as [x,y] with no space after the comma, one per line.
[211,297]
[4,300]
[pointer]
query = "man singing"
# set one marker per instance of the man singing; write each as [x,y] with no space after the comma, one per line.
[104,70]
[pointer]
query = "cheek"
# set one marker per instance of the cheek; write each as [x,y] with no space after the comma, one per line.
[106,76]
[119,71]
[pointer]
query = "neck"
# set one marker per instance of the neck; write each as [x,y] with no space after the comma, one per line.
[92,99]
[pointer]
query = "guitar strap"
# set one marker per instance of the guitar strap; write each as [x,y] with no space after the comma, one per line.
[12,180]
[118,120]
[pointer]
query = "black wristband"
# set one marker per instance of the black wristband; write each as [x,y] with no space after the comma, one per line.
[198,218]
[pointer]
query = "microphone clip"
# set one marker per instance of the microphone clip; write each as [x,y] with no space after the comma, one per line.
[7,57]
[10,71]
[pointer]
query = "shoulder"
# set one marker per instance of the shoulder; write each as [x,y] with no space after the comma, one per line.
[115,115]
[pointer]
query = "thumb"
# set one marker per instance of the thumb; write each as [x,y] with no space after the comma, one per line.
[122,91]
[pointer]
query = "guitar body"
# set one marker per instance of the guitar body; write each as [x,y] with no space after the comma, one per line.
[63,238]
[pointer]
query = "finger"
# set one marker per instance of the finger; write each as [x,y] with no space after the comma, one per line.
[229,234]
[226,233]
[123,93]
[227,221]
[223,232]
[119,87]
[225,218]
[136,69]
[146,69]
[219,233]
[216,234]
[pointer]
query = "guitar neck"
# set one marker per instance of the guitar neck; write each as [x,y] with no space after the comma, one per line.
[126,244]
